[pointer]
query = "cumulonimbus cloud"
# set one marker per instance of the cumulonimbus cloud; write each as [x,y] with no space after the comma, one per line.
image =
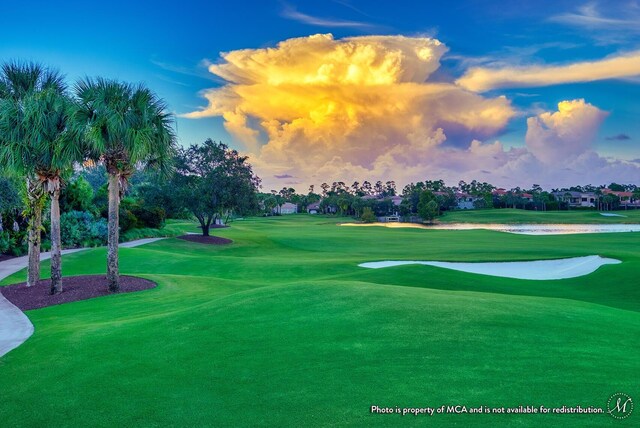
[312,100]
[482,79]
[316,109]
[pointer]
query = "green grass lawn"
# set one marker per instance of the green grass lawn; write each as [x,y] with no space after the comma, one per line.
[282,328]
[523,216]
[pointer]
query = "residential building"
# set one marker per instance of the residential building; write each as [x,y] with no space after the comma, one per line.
[577,199]
[286,208]
[313,208]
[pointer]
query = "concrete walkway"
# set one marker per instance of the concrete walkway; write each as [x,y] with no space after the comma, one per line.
[15,327]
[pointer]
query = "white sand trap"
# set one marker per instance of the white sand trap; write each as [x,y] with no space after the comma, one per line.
[536,270]
[612,215]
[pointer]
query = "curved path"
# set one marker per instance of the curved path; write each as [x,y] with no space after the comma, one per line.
[15,327]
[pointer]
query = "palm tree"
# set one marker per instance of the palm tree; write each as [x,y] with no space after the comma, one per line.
[125,126]
[21,84]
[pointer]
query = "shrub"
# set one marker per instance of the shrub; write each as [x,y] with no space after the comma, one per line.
[13,234]
[77,196]
[82,229]
[368,216]
[149,217]
[128,220]
[6,242]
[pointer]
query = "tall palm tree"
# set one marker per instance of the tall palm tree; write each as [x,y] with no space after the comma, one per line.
[19,84]
[40,140]
[126,126]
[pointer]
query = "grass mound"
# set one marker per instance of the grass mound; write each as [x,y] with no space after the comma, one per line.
[284,329]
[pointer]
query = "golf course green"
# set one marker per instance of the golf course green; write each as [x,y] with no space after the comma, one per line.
[282,328]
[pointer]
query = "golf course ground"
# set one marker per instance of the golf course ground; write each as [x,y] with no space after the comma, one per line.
[282,328]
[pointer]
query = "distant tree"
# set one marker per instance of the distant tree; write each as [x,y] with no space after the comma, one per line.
[429,211]
[427,207]
[77,196]
[211,180]
[269,203]
[366,188]
[325,189]
[368,216]
[389,189]
[617,187]
[96,175]
[355,189]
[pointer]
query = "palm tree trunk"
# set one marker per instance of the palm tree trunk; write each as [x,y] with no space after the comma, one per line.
[33,270]
[56,262]
[34,198]
[113,234]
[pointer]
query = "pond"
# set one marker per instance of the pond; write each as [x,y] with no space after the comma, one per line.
[523,229]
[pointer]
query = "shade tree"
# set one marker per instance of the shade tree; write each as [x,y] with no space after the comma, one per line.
[212,180]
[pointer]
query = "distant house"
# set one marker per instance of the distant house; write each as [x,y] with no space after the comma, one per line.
[626,198]
[286,208]
[313,208]
[397,200]
[465,201]
[576,199]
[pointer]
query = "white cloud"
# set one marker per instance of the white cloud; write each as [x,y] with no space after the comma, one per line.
[588,16]
[482,79]
[555,137]
[291,13]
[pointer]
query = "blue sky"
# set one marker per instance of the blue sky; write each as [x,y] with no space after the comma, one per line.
[168,45]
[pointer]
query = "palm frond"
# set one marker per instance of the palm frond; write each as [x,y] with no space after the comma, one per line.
[126,124]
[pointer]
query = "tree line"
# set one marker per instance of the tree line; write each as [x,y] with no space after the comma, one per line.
[430,198]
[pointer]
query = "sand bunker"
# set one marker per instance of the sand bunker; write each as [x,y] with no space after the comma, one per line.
[612,215]
[536,270]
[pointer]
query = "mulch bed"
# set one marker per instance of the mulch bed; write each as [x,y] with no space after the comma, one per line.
[4,257]
[74,288]
[209,240]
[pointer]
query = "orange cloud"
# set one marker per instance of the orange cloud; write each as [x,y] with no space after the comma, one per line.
[324,104]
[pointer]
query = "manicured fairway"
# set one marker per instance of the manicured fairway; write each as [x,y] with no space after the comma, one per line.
[282,328]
